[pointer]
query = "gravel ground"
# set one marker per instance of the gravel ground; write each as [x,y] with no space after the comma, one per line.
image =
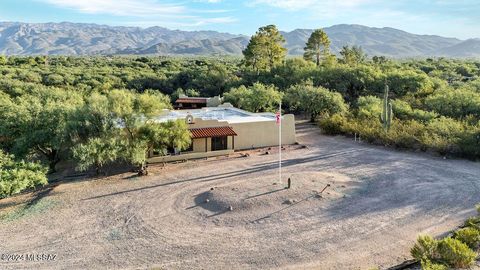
[234,214]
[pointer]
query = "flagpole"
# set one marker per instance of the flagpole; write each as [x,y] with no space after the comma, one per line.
[280,142]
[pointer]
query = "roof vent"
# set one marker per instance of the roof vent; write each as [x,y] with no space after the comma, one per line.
[189,119]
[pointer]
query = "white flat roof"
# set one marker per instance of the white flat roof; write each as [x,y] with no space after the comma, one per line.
[229,114]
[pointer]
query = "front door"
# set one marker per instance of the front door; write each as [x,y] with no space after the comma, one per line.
[219,143]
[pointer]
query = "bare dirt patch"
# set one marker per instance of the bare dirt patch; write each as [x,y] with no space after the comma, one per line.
[378,201]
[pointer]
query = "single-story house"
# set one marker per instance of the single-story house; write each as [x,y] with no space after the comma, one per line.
[218,131]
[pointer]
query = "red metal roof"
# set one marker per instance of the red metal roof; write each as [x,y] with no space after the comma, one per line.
[212,132]
[191,100]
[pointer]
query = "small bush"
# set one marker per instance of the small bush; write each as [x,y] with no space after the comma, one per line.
[333,125]
[469,236]
[455,253]
[473,222]
[428,265]
[425,248]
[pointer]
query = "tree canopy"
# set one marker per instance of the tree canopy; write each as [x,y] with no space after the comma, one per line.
[256,98]
[265,49]
[317,47]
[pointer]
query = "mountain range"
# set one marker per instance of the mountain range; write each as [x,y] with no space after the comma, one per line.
[67,38]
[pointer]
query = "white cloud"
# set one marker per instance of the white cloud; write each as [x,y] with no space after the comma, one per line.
[147,12]
[120,7]
[295,5]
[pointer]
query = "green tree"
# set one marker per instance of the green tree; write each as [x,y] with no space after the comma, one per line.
[16,176]
[379,60]
[369,107]
[256,98]
[317,47]
[122,125]
[265,49]
[457,103]
[37,122]
[3,60]
[353,55]
[96,152]
[136,115]
[314,101]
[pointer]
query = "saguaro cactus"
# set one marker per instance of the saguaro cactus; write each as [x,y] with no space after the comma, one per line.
[387,111]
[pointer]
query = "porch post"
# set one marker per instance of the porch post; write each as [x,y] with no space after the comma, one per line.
[233,142]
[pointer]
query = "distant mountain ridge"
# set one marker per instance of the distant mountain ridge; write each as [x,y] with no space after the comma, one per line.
[92,39]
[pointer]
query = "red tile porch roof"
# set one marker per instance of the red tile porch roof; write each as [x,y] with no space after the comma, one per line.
[212,132]
[191,100]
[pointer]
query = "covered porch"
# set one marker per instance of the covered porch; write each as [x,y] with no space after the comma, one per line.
[212,139]
[206,142]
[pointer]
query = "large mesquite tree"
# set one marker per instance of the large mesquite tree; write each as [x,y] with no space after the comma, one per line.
[124,125]
[37,122]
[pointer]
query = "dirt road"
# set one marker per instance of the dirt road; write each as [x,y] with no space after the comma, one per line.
[378,201]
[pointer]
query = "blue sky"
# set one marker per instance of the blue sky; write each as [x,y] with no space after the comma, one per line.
[453,18]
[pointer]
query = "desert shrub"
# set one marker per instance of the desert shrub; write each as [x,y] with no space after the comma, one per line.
[369,107]
[429,265]
[442,135]
[469,142]
[403,111]
[473,222]
[405,134]
[17,176]
[470,236]
[456,103]
[425,248]
[455,253]
[334,124]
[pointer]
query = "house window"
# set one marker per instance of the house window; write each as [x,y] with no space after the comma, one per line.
[219,143]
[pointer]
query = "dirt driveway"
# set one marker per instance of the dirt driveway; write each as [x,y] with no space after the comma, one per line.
[233,213]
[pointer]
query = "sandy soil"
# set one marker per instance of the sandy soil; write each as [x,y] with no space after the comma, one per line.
[378,201]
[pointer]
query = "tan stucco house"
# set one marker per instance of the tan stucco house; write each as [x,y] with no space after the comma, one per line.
[221,130]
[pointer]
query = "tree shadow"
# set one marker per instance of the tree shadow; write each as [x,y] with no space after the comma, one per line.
[41,194]
[254,169]
[37,196]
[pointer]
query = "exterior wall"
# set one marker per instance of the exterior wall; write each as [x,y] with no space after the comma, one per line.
[263,134]
[199,145]
[250,134]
